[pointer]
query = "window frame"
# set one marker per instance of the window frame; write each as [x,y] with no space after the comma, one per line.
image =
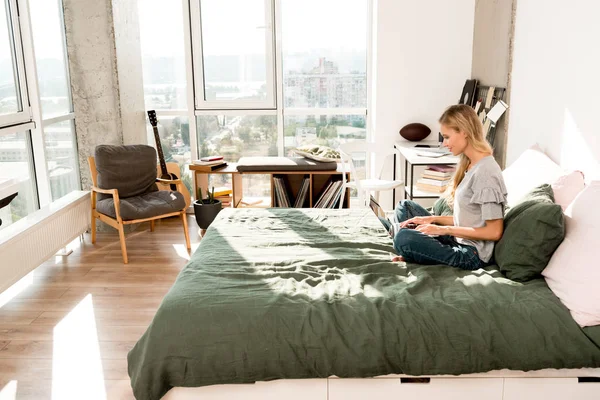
[16,42]
[270,103]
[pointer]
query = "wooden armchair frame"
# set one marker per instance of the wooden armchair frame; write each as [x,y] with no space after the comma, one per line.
[118,223]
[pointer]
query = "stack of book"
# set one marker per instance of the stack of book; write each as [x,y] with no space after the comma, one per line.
[210,163]
[436,178]
[224,194]
[330,196]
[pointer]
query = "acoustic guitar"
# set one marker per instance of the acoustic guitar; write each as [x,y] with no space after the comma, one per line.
[164,169]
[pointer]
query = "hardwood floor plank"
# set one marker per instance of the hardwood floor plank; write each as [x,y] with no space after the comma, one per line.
[109,333]
[42,390]
[31,349]
[17,317]
[109,317]
[158,290]
[41,292]
[30,369]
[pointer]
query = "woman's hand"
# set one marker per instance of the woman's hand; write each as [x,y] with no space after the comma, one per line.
[432,230]
[418,221]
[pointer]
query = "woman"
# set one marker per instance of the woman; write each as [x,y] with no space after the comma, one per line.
[477,195]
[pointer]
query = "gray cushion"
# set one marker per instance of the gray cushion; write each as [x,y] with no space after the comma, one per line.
[145,206]
[249,164]
[129,169]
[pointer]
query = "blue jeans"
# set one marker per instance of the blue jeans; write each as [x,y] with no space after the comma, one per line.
[420,248]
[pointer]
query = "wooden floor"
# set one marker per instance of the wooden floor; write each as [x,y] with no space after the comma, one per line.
[67,334]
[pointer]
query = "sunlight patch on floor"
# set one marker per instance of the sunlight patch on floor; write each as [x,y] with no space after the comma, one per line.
[76,364]
[182,251]
[9,392]
[15,289]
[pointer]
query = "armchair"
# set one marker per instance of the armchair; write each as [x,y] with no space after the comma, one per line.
[124,190]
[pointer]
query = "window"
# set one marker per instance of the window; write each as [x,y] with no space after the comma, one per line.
[326,130]
[234,136]
[163,54]
[324,66]
[48,36]
[14,106]
[235,63]
[61,158]
[59,139]
[16,165]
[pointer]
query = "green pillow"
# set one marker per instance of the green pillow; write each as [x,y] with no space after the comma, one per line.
[533,229]
[441,207]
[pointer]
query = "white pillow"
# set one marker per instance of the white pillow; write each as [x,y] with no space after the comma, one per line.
[318,153]
[531,169]
[573,273]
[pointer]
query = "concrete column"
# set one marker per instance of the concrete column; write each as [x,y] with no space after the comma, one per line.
[129,69]
[492,55]
[94,78]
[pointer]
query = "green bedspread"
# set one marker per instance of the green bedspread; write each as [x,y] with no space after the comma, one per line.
[306,293]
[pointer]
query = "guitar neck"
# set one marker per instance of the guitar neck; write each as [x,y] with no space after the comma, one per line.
[161,156]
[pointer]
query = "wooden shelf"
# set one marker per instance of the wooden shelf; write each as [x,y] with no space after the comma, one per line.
[293,180]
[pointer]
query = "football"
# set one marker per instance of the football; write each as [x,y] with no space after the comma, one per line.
[415,131]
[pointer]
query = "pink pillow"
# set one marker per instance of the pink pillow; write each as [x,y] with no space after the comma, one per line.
[567,187]
[573,273]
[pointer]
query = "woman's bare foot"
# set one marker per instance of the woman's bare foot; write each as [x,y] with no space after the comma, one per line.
[397,258]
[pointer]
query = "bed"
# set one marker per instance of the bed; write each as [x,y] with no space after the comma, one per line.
[311,294]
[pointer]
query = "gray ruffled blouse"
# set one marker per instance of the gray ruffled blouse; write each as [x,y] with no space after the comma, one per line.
[481,196]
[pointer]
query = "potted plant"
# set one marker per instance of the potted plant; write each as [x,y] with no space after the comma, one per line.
[207,209]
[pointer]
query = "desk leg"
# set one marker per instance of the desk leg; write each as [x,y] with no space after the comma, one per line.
[394,178]
[201,180]
[406,178]
[237,189]
[412,181]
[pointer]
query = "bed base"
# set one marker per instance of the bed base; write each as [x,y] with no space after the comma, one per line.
[548,384]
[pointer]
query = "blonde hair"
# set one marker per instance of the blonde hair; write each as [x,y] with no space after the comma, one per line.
[462,118]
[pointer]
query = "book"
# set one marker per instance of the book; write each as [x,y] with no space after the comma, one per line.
[430,188]
[437,178]
[441,168]
[282,194]
[433,182]
[223,191]
[208,168]
[424,153]
[211,158]
[213,162]
[444,175]
[302,193]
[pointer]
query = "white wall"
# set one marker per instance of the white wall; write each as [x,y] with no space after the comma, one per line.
[556,83]
[422,57]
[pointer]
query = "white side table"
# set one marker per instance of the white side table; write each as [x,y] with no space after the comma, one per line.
[412,160]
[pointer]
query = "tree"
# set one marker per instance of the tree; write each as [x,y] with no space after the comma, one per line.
[358,123]
[166,148]
[185,133]
[244,134]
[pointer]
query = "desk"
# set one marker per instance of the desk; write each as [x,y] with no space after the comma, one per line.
[317,181]
[409,153]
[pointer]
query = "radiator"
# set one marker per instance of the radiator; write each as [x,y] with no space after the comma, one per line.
[29,242]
